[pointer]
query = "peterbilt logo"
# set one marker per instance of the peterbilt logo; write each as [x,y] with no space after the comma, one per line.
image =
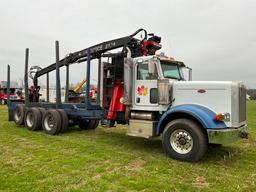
[201,90]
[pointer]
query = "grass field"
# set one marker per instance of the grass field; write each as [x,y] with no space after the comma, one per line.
[108,160]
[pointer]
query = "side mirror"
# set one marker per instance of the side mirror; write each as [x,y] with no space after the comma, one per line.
[151,66]
[188,73]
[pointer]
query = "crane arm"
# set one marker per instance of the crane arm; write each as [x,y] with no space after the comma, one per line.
[95,51]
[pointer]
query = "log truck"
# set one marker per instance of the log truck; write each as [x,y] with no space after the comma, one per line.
[146,91]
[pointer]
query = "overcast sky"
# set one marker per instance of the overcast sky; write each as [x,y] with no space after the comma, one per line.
[216,38]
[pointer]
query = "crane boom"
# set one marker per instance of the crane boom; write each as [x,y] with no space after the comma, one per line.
[95,51]
[137,47]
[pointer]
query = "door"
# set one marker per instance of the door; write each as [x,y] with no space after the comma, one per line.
[145,93]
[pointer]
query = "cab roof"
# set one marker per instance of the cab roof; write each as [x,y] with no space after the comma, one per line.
[179,63]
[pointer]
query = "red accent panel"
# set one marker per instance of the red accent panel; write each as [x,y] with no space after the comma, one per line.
[115,105]
[150,47]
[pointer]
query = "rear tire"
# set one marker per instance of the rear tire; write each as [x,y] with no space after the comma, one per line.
[184,139]
[42,110]
[51,122]
[33,119]
[96,124]
[10,115]
[71,123]
[18,114]
[93,124]
[89,124]
[64,120]
[83,124]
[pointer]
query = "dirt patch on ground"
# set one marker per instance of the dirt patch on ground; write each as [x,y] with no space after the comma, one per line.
[136,164]
[97,176]
[92,166]
[200,182]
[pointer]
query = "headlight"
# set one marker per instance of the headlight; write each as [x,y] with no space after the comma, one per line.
[222,117]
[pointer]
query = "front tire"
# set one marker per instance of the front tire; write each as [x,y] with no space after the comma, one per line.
[184,139]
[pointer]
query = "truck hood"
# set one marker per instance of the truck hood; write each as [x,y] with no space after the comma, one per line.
[218,96]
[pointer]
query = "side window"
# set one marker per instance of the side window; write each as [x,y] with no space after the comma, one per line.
[153,95]
[143,74]
[142,71]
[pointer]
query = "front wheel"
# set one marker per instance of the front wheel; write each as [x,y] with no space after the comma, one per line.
[184,139]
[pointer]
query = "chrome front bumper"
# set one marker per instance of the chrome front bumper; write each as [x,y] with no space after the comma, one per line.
[227,135]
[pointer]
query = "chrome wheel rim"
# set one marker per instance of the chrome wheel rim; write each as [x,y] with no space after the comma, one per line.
[49,122]
[17,115]
[30,119]
[181,141]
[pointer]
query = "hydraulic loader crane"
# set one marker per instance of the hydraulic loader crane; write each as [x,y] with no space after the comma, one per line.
[146,46]
[137,47]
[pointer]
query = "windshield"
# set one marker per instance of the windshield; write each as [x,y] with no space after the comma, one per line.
[171,70]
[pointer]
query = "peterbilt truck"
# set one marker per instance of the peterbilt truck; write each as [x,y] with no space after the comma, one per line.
[188,114]
[146,91]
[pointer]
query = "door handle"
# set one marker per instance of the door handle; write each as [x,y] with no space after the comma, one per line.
[137,100]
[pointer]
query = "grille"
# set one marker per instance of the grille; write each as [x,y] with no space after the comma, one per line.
[242,104]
